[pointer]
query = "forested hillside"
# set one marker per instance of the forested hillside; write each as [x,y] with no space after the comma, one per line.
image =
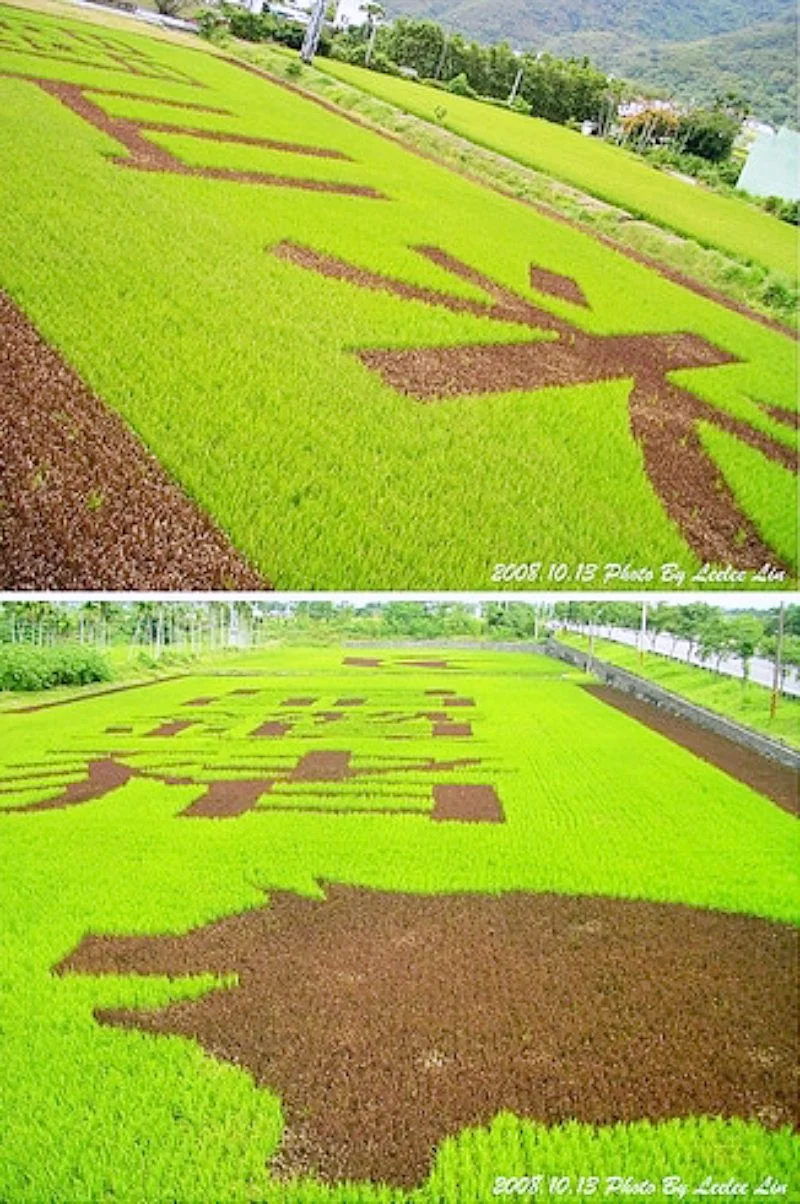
[760,63]
[692,49]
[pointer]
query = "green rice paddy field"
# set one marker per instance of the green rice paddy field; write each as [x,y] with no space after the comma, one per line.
[605,171]
[592,803]
[165,265]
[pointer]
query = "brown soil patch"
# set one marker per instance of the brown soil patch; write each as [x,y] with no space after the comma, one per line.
[433,693]
[292,148]
[469,804]
[112,731]
[363,662]
[200,702]
[83,505]
[556,285]
[552,1007]
[664,418]
[244,693]
[459,702]
[322,766]
[225,799]
[102,777]
[272,727]
[452,729]
[328,716]
[173,728]
[145,155]
[298,702]
[778,782]
[349,702]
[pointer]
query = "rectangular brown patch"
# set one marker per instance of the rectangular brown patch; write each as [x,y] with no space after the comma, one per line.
[469,804]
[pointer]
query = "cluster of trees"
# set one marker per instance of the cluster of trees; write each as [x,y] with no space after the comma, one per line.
[698,142]
[161,627]
[711,633]
[560,90]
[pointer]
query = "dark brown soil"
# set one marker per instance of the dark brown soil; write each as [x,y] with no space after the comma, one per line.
[244,693]
[145,155]
[173,728]
[777,782]
[272,727]
[225,799]
[329,716]
[298,702]
[363,662]
[102,777]
[556,285]
[292,148]
[459,702]
[387,1022]
[452,729]
[322,766]
[664,418]
[200,702]
[83,505]
[349,702]
[469,804]
[441,693]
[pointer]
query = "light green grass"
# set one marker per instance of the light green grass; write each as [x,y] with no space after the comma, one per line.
[594,802]
[748,704]
[609,172]
[239,370]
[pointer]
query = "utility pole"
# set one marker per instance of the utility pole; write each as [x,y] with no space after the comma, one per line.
[440,64]
[776,675]
[512,96]
[313,32]
[371,44]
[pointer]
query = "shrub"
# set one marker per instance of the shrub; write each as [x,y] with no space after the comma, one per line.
[460,86]
[23,667]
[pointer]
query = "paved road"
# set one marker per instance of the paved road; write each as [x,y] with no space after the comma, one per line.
[761,670]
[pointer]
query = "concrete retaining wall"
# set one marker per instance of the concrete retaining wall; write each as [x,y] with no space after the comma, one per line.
[629,683]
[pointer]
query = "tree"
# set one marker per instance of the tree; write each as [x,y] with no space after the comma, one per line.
[169,8]
[746,633]
[709,133]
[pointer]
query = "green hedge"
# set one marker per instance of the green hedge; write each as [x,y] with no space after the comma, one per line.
[26,668]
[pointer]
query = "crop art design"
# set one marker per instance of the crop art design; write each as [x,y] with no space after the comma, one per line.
[86,48]
[145,155]
[252,773]
[664,417]
[516,1002]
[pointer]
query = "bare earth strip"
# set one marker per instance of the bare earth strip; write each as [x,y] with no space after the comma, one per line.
[778,782]
[83,505]
[387,1022]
